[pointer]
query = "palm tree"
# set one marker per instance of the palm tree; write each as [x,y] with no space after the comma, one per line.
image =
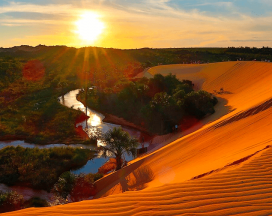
[118,142]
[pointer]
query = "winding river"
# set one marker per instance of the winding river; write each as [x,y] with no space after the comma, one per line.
[95,121]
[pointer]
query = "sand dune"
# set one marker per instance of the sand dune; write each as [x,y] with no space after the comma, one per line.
[223,168]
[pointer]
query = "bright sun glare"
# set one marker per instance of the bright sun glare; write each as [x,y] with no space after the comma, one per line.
[89,27]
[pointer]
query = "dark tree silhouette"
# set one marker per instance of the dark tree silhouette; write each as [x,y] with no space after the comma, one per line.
[118,142]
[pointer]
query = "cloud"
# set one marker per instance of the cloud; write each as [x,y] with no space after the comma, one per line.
[17,22]
[49,9]
[251,40]
[153,23]
[217,4]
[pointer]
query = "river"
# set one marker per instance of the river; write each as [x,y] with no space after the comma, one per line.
[95,121]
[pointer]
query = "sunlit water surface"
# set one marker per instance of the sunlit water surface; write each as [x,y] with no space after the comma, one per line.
[95,121]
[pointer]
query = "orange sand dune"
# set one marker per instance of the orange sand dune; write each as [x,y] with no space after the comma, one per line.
[223,168]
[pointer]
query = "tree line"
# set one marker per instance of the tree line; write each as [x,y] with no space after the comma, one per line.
[158,104]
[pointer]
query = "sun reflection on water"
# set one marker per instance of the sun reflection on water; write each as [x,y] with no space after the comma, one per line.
[95,120]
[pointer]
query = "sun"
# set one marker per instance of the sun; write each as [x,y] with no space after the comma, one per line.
[89,27]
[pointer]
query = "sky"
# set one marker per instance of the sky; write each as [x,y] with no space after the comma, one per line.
[136,23]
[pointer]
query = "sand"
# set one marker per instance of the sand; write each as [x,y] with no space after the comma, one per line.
[222,168]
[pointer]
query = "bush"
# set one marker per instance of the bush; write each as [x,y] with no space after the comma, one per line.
[10,201]
[36,202]
[64,185]
[75,187]
[39,168]
[97,176]
[83,188]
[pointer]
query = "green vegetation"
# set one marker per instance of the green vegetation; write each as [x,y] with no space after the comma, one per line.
[36,202]
[68,188]
[75,187]
[39,168]
[31,81]
[117,143]
[10,201]
[29,107]
[158,103]
[39,118]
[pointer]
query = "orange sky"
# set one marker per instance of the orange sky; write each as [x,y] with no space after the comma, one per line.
[137,24]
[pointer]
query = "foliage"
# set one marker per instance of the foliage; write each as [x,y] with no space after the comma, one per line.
[199,103]
[10,69]
[39,168]
[83,188]
[31,79]
[75,187]
[158,103]
[117,142]
[36,202]
[10,201]
[39,118]
[64,185]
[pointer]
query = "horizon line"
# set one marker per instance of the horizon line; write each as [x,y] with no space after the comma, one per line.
[251,47]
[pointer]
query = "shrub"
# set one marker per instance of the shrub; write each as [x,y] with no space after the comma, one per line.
[83,188]
[75,187]
[97,176]
[10,201]
[36,202]
[64,185]
[39,168]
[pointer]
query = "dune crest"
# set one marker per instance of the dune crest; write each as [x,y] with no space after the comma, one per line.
[169,181]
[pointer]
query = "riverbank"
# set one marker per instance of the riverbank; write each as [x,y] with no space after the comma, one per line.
[69,141]
[80,136]
[109,118]
[44,124]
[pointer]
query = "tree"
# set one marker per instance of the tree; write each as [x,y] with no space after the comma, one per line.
[171,82]
[199,103]
[117,142]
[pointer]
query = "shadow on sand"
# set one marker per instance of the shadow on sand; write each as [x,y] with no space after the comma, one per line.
[137,180]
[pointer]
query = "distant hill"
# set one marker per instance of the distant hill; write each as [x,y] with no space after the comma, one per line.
[155,56]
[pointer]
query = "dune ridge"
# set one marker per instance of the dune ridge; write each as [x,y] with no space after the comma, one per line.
[223,168]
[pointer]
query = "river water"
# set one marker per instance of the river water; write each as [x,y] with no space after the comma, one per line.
[22,143]
[95,121]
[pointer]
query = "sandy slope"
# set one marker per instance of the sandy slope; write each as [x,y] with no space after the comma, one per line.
[164,178]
